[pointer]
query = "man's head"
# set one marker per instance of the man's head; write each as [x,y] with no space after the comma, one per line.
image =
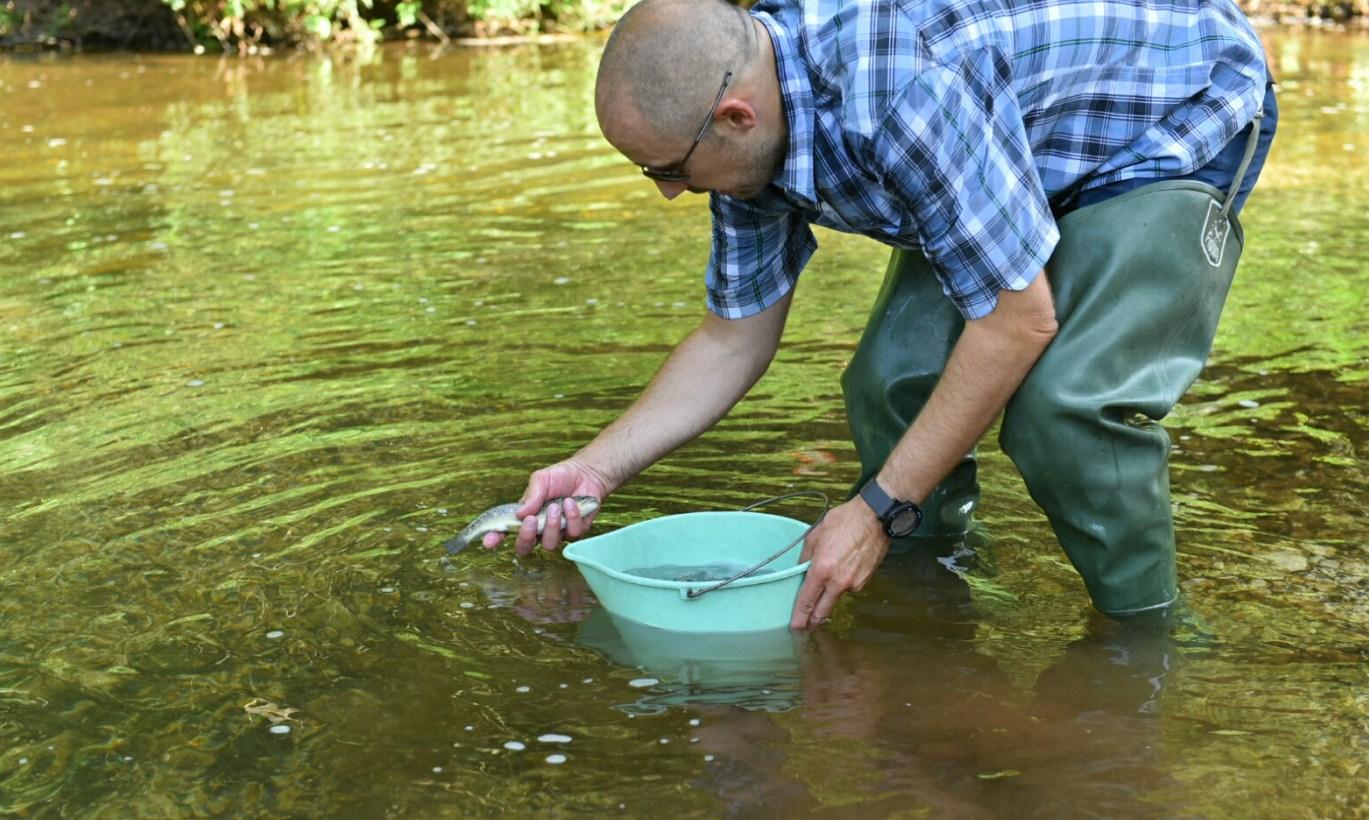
[663,67]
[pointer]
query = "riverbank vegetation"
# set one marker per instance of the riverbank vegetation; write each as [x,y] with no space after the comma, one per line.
[250,25]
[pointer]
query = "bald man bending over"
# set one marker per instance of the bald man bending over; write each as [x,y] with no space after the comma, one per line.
[1059,182]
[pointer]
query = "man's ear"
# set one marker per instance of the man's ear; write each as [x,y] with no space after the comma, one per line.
[736,114]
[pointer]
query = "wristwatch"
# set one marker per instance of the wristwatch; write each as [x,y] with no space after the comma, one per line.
[899,518]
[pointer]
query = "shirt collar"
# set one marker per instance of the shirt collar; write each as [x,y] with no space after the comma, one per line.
[795,176]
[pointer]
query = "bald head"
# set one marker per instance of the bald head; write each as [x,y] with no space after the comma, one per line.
[664,62]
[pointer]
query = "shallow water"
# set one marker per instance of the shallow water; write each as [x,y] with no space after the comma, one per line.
[274,329]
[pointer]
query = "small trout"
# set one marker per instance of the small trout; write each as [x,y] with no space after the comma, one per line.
[504,519]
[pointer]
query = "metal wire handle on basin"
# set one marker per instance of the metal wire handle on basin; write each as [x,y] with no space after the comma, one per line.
[826,504]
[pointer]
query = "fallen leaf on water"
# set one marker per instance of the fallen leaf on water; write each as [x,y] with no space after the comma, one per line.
[272,712]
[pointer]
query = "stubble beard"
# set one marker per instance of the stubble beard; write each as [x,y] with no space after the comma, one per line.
[757,165]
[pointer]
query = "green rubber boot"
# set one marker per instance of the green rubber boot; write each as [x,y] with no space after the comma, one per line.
[904,348]
[1139,282]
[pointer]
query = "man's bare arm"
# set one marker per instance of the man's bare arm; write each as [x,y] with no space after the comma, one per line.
[991,358]
[699,383]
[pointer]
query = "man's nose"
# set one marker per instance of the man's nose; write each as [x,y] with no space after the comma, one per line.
[670,190]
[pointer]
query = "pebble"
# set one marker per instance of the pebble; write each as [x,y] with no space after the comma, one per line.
[694,721]
[275,633]
[1248,404]
[514,746]
[387,590]
[280,729]
[553,738]
[708,758]
[556,760]
[642,683]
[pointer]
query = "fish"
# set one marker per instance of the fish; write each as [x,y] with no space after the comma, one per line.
[504,518]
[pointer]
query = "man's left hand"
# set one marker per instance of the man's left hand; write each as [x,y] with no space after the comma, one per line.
[845,549]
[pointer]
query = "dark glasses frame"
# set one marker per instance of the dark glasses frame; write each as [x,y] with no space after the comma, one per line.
[675,172]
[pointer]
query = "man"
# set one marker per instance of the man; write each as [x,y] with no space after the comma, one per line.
[1059,181]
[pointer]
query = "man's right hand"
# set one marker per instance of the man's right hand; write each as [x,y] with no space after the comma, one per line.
[564,480]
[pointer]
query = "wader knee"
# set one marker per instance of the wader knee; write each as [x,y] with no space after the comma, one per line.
[901,355]
[1138,282]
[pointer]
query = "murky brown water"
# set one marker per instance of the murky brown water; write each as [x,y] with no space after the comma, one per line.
[274,329]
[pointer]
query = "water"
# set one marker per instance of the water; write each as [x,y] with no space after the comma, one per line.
[702,573]
[274,329]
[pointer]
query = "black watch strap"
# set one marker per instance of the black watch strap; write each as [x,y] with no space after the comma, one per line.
[899,518]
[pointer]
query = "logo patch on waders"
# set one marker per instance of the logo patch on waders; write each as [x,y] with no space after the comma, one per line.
[1215,230]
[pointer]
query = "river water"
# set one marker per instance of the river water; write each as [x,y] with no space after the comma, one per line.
[272,329]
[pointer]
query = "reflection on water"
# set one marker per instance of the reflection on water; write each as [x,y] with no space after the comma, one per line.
[274,329]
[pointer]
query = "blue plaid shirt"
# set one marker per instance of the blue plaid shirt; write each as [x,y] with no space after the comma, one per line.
[951,126]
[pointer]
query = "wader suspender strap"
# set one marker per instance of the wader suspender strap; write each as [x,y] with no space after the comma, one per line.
[1218,223]
[1250,146]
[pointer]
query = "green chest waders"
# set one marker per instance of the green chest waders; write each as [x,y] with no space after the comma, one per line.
[1139,281]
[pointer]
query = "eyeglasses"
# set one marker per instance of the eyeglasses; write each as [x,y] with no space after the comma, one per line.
[674,172]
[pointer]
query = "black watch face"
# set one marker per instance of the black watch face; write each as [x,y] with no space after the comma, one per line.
[904,520]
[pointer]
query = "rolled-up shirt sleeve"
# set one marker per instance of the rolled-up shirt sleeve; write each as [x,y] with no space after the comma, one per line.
[953,148]
[757,256]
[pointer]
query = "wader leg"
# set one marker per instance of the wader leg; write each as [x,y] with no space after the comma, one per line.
[904,348]
[1139,282]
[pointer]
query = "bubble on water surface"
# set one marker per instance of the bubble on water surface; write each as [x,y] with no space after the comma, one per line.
[387,590]
[18,235]
[561,280]
[195,383]
[437,770]
[552,737]
[693,721]
[642,683]
[556,760]
[280,729]
[523,689]
[1248,404]
[515,746]
[56,142]
[276,633]
[708,758]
